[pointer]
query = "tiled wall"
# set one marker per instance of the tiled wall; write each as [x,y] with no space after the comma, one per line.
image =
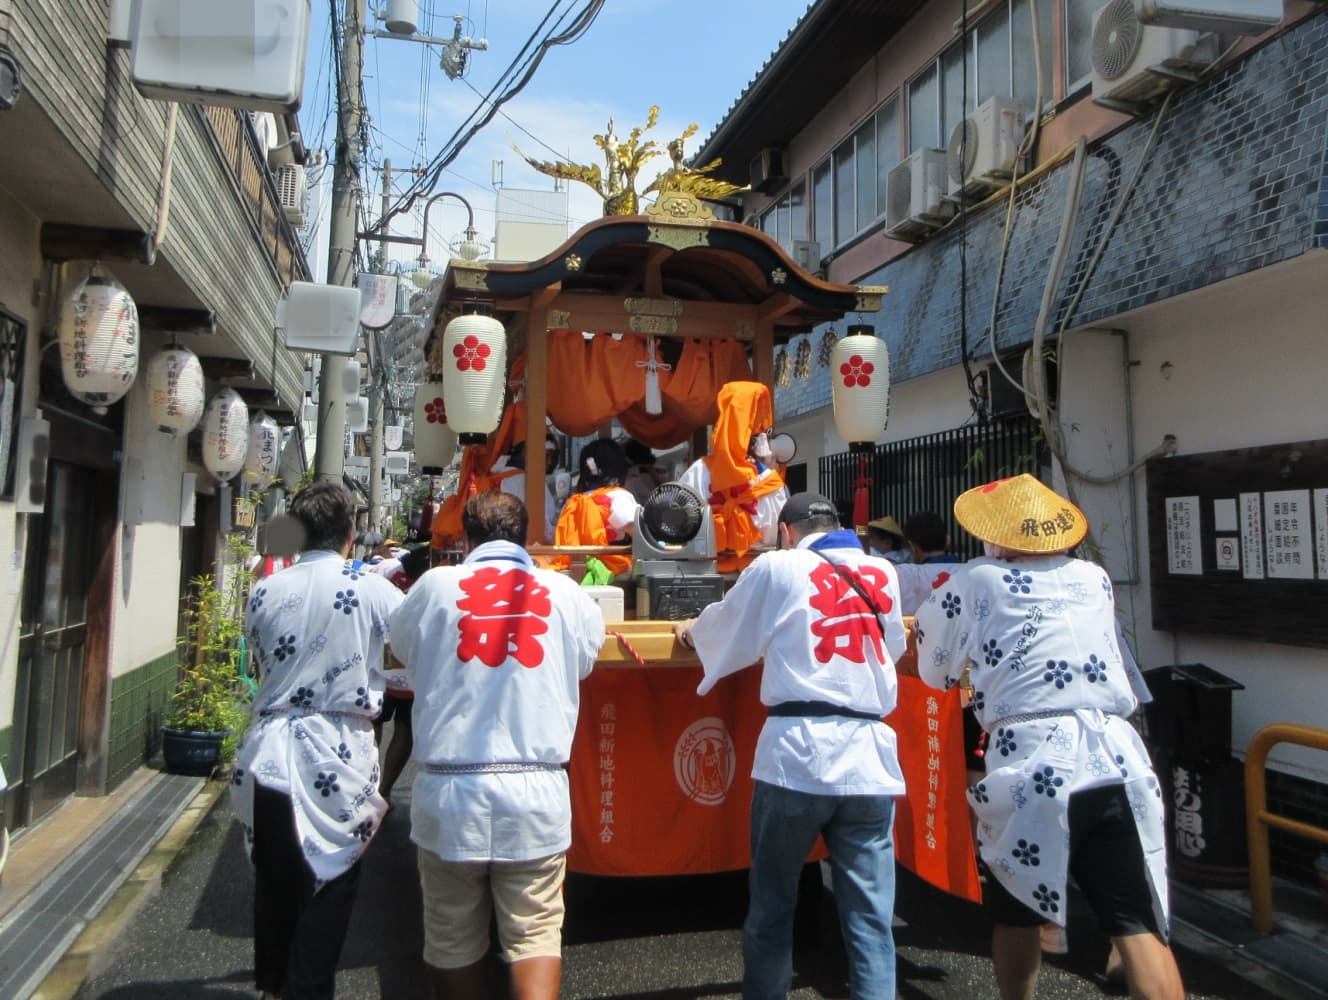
[137,700]
[1235,181]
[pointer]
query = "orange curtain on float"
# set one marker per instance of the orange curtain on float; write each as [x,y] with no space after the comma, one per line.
[592,381]
[476,461]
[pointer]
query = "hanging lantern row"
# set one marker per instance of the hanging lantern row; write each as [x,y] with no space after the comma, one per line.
[860,383]
[435,441]
[97,329]
[825,349]
[175,390]
[263,452]
[225,434]
[474,374]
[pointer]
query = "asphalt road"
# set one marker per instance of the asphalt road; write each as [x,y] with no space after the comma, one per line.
[662,939]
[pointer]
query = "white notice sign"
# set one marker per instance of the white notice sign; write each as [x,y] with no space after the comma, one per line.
[1228,553]
[1321,531]
[1183,553]
[1290,544]
[1251,535]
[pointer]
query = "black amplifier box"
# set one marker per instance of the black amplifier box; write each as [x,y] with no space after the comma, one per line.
[673,598]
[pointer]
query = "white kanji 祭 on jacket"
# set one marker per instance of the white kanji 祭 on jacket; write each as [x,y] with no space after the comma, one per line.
[820,643]
[1053,690]
[318,630]
[495,650]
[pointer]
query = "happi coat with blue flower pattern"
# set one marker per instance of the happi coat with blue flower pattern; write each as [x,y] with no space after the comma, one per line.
[1053,686]
[318,631]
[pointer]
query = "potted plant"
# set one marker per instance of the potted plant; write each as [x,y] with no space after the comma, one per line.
[208,709]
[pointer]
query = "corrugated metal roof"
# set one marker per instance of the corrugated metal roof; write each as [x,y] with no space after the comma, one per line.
[820,54]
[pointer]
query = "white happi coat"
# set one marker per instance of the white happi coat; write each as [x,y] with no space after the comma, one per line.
[317,630]
[1053,689]
[495,650]
[820,643]
[768,507]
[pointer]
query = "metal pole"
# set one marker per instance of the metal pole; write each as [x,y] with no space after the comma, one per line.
[378,379]
[330,460]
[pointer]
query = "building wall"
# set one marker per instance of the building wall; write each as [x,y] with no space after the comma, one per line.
[19,268]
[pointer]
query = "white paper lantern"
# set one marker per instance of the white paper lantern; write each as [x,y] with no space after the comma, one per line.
[263,452]
[860,374]
[175,390]
[435,441]
[98,333]
[225,434]
[474,375]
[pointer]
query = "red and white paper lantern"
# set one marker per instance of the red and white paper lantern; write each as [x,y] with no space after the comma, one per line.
[225,434]
[474,375]
[263,452]
[435,441]
[98,333]
[175,390]
[860,374]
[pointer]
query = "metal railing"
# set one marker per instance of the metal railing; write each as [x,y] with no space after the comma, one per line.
[1258,819]
[928,472]
[239,148]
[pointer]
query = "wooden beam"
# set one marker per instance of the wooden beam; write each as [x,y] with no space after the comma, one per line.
[61,242]
[537,405]
[166,319]
[763,355]
[776,306]
[235,368]
[660,317]
[653,277]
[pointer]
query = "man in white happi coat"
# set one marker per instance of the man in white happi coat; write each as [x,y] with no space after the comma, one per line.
[1069,786]
[825,617]
[495,650]
[306,774]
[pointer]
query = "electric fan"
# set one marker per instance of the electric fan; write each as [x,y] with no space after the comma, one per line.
[673,554]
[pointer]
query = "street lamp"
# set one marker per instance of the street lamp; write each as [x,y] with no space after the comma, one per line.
[468,246]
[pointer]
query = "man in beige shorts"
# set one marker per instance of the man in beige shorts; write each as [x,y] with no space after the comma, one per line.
[495,650]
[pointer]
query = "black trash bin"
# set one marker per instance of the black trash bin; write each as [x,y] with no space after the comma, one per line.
[1189,735]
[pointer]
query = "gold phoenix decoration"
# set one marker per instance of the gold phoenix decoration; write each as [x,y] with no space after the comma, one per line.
[616,182]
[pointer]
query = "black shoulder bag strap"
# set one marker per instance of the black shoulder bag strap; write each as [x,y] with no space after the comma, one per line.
[847,577]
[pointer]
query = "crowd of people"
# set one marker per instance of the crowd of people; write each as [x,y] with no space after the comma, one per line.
[480,666]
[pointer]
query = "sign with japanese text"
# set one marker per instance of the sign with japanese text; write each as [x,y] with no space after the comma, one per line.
[1251,535]
[1289,540]
[1183,552]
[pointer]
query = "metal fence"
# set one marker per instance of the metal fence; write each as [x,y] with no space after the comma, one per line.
[928,472]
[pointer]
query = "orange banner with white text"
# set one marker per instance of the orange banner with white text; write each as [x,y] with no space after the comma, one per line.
[933,834]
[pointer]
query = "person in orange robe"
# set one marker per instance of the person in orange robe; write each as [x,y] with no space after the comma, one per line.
[601,511]
[738,478]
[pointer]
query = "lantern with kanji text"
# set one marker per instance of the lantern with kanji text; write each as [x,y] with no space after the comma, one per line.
[860,374]
[175,390]
[435,441]
[225,434]
[98,333]
[263,452]
[474,375]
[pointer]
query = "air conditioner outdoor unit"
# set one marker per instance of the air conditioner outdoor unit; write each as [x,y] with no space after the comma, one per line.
[1134,64]
[915,203]
[292,192]
[807,254]
[767,172]
[984,147]
[1236,17]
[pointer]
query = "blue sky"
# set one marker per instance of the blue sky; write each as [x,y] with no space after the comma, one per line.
[637,53]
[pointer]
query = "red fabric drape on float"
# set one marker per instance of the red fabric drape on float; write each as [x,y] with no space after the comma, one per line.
[744,410]
[661,778]
[585,521]
[933,835]
[476,461]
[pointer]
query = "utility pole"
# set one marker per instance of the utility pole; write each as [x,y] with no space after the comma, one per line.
[330,459]
[379,377]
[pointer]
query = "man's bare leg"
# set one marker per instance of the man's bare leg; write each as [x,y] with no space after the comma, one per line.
[1150,967]
[1016,952]
[465,983]
[536,978]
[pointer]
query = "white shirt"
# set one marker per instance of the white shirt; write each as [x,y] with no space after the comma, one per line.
[820,643]
[918,580]
[768,507]
[1041,634]
[317,630]
[495,650]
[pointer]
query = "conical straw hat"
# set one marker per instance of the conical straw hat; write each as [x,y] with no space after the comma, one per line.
[1022,515]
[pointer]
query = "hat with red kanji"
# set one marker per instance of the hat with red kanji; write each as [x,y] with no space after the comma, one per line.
[1022,515]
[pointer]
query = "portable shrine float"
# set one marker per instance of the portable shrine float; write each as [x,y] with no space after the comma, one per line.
[640,318]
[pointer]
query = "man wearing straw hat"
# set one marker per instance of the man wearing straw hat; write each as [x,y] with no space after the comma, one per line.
[1069,788]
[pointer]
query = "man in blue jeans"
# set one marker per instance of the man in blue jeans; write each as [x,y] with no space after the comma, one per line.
[825,617]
